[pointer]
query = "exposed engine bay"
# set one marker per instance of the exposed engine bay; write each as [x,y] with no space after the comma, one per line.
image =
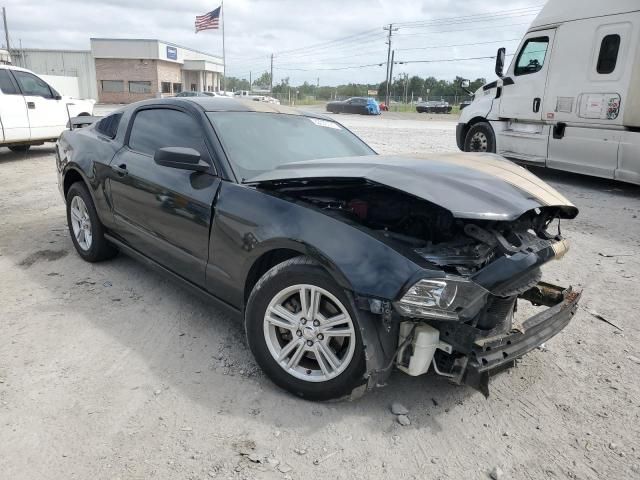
[456,245]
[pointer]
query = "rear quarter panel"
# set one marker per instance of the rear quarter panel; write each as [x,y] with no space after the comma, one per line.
[88,153]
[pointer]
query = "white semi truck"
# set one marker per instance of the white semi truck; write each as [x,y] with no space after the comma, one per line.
[570,99]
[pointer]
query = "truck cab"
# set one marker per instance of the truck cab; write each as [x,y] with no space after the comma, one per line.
[570,99]
[31,111]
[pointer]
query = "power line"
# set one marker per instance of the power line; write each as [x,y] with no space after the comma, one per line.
[459,45]
[369,35]
[459,30]
[448,20]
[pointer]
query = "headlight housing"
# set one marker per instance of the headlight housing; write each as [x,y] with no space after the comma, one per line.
[440,298]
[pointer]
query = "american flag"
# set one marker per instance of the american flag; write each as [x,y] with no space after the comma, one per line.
[209,20]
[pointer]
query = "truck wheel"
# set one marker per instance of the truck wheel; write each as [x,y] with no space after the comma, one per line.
[480,138]
[19,148]
[303,331]
[87,233]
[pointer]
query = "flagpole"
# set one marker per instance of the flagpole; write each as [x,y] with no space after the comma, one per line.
[224,60]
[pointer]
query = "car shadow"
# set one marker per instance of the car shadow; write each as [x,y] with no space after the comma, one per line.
[196,347]
[7,156]
[568,180]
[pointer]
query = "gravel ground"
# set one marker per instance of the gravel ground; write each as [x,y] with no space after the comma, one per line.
[111,371]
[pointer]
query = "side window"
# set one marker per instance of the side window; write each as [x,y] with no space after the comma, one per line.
[531,57]
[7,85]
[32,85]
[108,126]
[162,127]
[608,57]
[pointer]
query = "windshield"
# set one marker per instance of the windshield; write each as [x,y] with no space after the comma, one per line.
[257,142]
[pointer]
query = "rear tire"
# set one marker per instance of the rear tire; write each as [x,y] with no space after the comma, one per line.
[305,356]
[20,148]
[480,138]
[87,232]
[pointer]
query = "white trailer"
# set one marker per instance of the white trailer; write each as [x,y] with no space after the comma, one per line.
[570,99]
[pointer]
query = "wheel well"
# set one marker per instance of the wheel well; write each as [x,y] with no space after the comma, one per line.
[263,264]
[71,177]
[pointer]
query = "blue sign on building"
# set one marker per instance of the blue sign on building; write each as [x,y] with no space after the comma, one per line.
[172,53]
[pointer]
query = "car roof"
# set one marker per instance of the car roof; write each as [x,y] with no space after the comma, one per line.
[12,67]
[227,104]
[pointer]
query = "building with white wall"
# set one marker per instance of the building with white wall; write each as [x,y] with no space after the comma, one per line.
[61,63]
[128,70]
[123,70]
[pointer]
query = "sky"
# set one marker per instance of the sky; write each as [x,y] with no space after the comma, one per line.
[330,41]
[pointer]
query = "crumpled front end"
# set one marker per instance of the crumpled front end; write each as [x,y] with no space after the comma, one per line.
[473,272]
[469,317]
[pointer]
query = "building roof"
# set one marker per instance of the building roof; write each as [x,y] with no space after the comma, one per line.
[156,41]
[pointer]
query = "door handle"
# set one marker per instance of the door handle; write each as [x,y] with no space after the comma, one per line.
[559,130]
[536,104]
[121,169]
[31,105]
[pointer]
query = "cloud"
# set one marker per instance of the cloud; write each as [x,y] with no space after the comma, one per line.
[255,29]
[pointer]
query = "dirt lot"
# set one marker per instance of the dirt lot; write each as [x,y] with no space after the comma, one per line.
[110,371]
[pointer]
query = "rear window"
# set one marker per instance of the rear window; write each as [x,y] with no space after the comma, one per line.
[108,126]
[7,86]
[608,57]
[258,142]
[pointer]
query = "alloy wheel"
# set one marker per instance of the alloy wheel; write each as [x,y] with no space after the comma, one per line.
[81,223]
[309,333]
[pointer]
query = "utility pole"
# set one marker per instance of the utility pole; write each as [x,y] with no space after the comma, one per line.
[250,81]
[393,54]
[318,83]
[6,30]
[390,29]
[271,76]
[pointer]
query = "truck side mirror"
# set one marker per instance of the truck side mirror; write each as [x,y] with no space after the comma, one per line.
[502,53]
[465,84]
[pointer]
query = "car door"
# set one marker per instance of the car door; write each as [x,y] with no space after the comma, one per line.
[164,212]
[47,111]
[524,87]
[14,119]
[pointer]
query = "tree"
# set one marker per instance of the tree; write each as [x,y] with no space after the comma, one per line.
[416,84]
[263,81]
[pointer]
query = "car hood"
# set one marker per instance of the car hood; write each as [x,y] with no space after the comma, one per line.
[469,185]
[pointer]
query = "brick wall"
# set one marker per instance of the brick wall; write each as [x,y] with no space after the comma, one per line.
[127,69]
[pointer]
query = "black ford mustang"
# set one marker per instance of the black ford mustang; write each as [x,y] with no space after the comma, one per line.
[341,263]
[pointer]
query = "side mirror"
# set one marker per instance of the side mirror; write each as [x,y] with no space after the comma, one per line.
[500,57]
[465,84]
[180,157]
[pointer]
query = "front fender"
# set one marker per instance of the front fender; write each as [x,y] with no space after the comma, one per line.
[249,222]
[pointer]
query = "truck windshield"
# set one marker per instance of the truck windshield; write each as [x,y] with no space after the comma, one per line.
[257,142]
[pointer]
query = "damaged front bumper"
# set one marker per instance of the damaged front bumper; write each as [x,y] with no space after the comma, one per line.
[486,353]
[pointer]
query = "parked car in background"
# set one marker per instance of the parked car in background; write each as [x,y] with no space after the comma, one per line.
[188,93]
[255,96]
[341,263]
[33,112]
[433,106]
[361,105]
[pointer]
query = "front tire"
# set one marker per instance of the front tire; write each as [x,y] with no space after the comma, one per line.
[480,138]
[303,330]
[87,232]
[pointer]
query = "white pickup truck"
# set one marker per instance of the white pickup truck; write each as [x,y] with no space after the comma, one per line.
[31,111]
